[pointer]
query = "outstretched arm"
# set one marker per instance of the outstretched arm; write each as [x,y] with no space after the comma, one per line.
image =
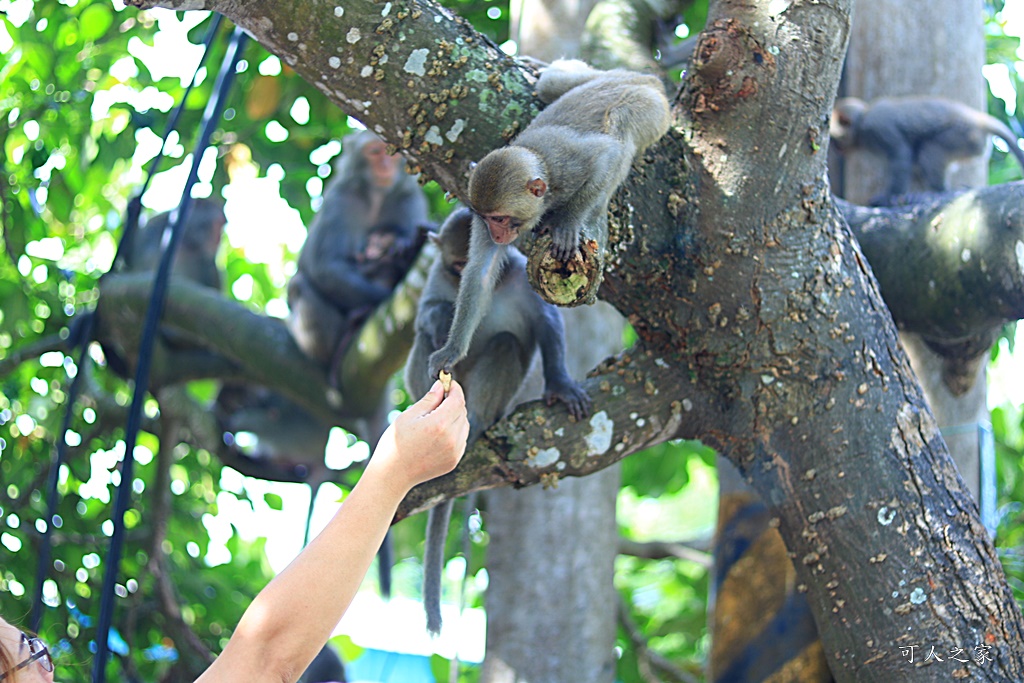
[292,617]
[482,275]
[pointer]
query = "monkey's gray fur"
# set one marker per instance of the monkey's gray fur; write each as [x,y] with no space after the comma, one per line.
[196,258]
[926,133]
[513,327]
[337,278]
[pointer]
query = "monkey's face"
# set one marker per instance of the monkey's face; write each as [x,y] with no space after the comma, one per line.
[842,126]
[503,229]
[507,191]
[382,167]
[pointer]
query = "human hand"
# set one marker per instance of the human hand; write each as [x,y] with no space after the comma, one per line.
[427,440]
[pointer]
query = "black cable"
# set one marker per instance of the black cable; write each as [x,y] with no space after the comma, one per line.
[176,222]
[80,343]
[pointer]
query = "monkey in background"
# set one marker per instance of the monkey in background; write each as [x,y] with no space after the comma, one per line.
[195,260]
[559,174]
[923,133]
[516,323]
[360,244]
[290,442]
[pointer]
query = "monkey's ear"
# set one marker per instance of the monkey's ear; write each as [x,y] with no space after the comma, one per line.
[434,237]
[537,187]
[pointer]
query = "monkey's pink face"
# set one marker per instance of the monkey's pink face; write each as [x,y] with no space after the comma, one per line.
[383,166]
[503,229]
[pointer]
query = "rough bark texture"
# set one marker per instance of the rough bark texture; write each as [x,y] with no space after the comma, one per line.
[551,601]
[762,333]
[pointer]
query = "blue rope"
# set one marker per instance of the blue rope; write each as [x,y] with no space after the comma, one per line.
[176,224]
[82,346]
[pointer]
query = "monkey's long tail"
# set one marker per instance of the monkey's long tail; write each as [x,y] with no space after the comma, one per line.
[433,563]
[1000,129]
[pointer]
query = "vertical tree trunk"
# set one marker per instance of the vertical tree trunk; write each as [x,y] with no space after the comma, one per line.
[551,602]
[761,627]
[551,605]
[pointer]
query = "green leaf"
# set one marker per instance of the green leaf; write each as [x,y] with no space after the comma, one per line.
[95,20]
[273,501]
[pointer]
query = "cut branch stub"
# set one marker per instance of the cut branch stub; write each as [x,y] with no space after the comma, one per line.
[572,283]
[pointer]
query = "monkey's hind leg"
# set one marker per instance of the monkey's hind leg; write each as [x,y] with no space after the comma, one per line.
[315,324]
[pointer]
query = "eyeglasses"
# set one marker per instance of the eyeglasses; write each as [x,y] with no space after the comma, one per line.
[37,651]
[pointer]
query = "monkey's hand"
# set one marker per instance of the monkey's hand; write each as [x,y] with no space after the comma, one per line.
[445,359]
[573,395]
[566,237]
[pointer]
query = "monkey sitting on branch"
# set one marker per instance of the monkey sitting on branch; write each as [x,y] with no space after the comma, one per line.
[515,324]
[195,261]
[923,133]
[558,175]
[361,243]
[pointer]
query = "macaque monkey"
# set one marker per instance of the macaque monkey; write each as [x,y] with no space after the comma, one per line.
[195,260]
[360,244]
[515,324]
[559,175]
[926,133]
[561,172]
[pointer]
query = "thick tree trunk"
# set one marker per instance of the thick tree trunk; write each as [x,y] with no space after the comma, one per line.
[551,603]
[895,49]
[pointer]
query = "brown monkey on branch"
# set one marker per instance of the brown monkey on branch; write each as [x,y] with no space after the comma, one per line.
[926,133]
[514,326]
[361,243]
[559,174]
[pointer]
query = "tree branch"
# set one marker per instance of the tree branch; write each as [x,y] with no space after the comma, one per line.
[636,405]
[948,265]
[698,553]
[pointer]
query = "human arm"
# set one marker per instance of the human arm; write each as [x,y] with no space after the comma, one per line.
[292,617]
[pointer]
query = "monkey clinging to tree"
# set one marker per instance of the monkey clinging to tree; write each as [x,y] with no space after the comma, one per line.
[559,174]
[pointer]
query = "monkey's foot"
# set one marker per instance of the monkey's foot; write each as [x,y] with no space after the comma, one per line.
[564,244]
[573,395]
